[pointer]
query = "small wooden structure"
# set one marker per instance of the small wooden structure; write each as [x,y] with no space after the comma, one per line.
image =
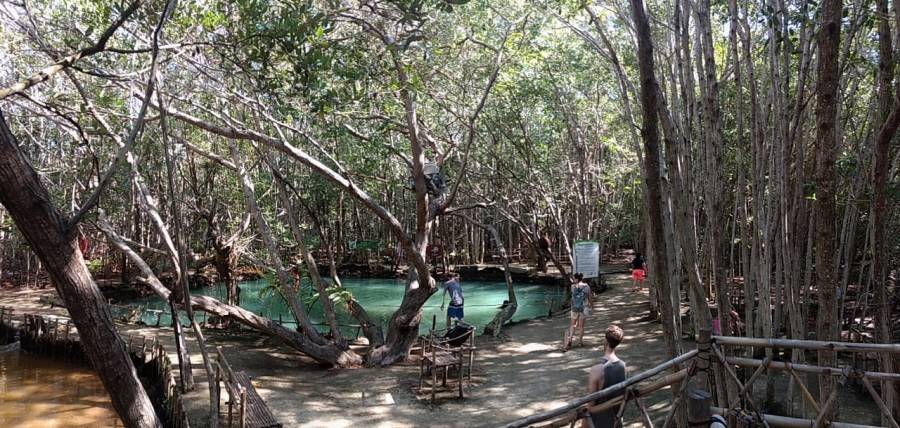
[443,350]
[57,336]
[252,411]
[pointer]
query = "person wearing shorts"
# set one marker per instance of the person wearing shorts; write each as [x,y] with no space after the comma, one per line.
[579,311]
[455,310]
[638,272]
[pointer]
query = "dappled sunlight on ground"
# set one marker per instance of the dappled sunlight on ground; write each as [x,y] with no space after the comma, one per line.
[523,372]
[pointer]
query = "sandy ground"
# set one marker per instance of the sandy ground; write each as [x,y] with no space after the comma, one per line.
[517,375]
[521,373]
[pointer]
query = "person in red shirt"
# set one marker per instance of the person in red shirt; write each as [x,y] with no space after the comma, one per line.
[83,244]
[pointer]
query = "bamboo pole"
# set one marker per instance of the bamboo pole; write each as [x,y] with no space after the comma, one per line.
[825,413]
[884,409]
[737,380]
[634,394]
[602,394]
[815,345]
[677,400]
[749,383]
[806,368]
[788,422]
[645,417]
[669,380]
[806,394]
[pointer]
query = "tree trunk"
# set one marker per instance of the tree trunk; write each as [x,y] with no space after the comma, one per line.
[308,259]
[30,206]
[342,357]
[509,307]
[650,136]
[880,213]
[826,149]
[324,354]
[403,328]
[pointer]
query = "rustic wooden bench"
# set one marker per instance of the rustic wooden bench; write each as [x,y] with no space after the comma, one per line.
[438,354]
[252,411]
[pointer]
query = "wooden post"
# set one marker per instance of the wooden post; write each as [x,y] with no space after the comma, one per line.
[433,369]
[243,406]
[806,394]
[460,374]
[215,399]
[703,357]
[699,407]
[885,411]
[471,353]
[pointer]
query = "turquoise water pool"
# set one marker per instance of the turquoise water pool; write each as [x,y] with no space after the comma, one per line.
[380,297]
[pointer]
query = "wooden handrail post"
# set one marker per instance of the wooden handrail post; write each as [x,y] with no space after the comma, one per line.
[699,403]
[215,399]
[243,392]
[704,355]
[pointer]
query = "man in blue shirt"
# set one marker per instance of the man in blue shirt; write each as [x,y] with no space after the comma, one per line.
[455,310]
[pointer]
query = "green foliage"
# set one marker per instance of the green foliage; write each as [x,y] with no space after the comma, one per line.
[95,266]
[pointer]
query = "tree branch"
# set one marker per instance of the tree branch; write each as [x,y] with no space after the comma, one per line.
[67,62]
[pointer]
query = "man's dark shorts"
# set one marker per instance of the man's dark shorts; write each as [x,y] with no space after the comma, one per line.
[455,312]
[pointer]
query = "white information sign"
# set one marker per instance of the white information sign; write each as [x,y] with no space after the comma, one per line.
[587,258]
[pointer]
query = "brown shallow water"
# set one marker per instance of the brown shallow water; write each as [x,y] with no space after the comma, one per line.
[37,391]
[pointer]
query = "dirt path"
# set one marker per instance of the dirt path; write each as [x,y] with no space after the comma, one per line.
[519,374]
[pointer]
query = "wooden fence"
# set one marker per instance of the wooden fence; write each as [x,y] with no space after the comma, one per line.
[823,410]
[697,402]
[57,336]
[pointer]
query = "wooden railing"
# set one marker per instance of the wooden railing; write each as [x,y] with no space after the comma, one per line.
[575,410]
[202,318]
[57,336]
[236,391]
[700,409]
[823,410]
[252,411]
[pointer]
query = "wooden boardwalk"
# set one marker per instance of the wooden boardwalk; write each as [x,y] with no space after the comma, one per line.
[57,336]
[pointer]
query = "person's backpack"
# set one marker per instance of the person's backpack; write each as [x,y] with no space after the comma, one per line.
[579,294]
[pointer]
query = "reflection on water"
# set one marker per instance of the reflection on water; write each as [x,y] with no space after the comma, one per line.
[36,391]
[381,297]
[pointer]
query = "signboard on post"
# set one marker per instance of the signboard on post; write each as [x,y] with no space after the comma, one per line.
[363,245]
[587,258]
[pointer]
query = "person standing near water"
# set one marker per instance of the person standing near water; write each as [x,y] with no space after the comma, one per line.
[610,371]
[638,272]
[580,309]
[455,310]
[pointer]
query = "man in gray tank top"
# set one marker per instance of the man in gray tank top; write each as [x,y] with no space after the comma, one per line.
[609,372]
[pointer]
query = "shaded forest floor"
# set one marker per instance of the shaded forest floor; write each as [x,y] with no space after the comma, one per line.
[518,374]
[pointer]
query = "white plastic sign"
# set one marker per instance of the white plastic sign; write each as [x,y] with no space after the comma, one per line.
[587,258]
